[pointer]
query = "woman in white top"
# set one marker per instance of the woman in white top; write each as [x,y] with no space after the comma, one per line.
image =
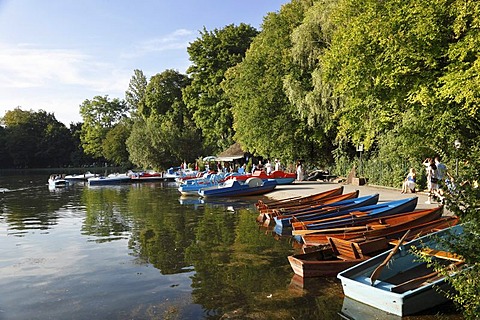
[299,171]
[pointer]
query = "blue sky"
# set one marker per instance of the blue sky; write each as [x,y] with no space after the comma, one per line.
[54,54]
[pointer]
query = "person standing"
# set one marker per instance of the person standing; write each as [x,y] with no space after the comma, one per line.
[432,180]
[277,165]
[299,171]
[444,178]
[268,167]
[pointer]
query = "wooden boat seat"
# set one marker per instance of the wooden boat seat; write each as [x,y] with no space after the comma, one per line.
[348,250]
[442,254]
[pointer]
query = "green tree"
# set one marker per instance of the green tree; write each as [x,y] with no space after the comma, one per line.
[266,123]
[165,134]
[212,54]
[136,91]
[36,139]
[99,115]
[114,146]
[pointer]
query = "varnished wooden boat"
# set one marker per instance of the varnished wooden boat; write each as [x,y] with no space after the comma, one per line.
[320,206]
[386,226]
[331,195]
[298,200]
[341,254]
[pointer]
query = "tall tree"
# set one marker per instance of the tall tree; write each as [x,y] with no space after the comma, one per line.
[266,123]
[99,116]
[212,54]
[136,91]
[165,134]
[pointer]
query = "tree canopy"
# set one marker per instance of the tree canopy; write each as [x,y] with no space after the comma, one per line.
[211,55]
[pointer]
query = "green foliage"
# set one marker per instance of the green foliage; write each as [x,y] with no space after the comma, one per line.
[136,91]
[165,135]
[212,54]
[35,139]
[114,145]
[99,115]
[265,122]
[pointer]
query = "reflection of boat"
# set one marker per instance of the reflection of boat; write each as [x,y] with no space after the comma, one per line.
[354,310]
[234,188]
[116,178]
[56,181]
[397,281]
[79,177]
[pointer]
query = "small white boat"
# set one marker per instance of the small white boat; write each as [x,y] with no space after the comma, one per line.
[399,283]
[79,177]
[57,181]
[115,178]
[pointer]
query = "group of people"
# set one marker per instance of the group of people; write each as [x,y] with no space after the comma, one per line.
[438,177]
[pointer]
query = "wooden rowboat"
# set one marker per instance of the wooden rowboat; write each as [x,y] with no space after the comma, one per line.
[341,254]
[320,211]
[299,200]
[339,201]
[387,226]
[359,216]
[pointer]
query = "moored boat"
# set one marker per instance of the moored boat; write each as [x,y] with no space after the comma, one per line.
[111,179]
[147,176]
[338,254]
[317,212]
[291,202]
[234,188]
[357,216]
[408,284]
[390,226]
[79,177]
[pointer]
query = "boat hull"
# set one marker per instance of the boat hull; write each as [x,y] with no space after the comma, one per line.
[238,190]
[356,282]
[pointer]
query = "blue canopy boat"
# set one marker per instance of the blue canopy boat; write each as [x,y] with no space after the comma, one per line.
[234,188]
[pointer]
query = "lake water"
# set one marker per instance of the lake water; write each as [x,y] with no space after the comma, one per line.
[139,251]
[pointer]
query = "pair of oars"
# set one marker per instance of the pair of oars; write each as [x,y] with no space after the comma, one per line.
[378,270]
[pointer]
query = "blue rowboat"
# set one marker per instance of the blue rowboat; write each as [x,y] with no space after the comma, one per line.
[326,210]
[358,216]
[406,285]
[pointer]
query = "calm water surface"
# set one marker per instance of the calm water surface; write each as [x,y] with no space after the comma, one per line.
[141,252]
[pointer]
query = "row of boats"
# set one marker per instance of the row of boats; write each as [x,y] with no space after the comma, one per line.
[58,180]
[233,184]
[204,184]
[369,246]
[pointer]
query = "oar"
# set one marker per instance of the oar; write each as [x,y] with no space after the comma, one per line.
[378,270]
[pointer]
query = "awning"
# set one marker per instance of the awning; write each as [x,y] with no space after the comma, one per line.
[229,159]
